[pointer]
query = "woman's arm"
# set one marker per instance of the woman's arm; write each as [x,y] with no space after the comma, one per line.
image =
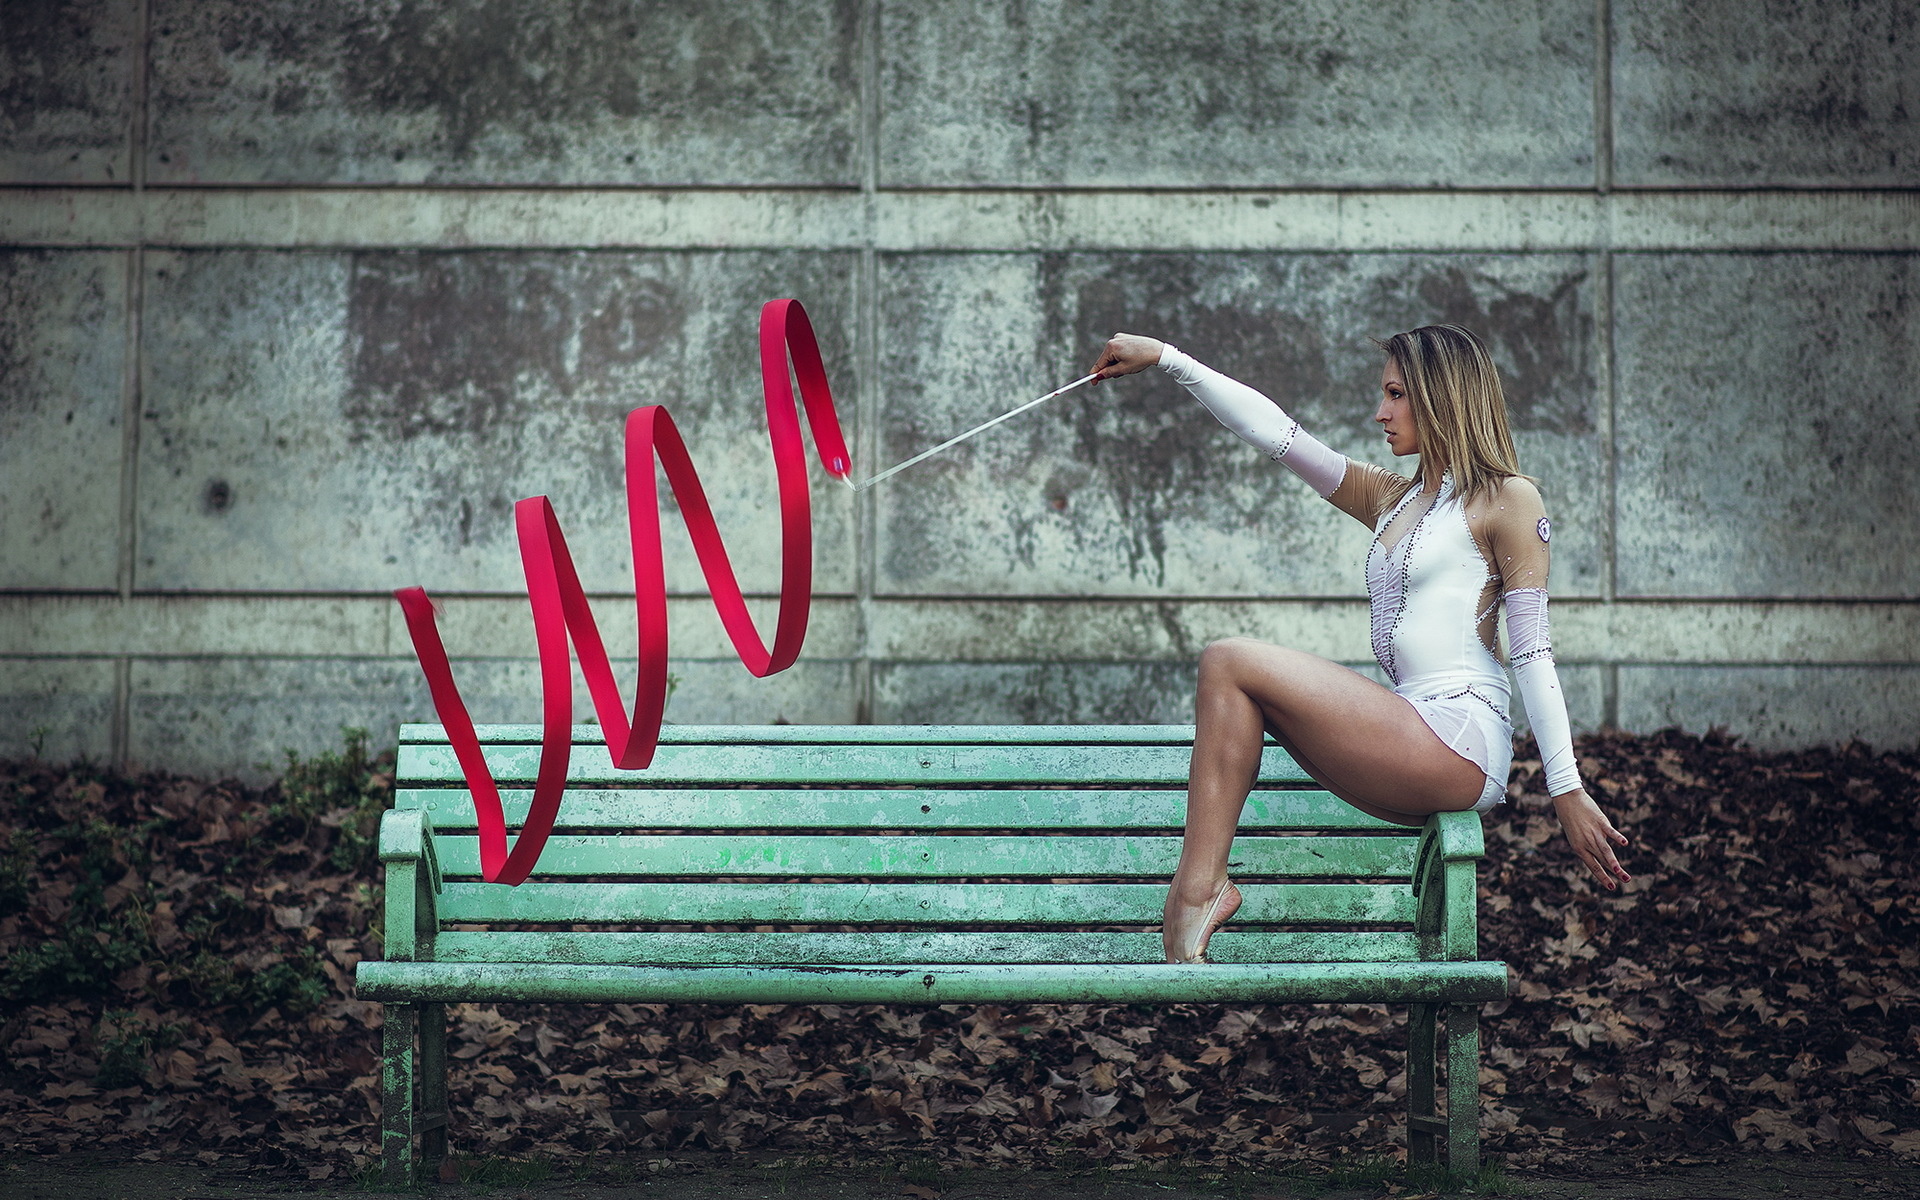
[1519,535]
[1358,489]
[1258,421]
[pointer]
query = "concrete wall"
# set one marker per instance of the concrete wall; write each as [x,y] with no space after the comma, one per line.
[297,299]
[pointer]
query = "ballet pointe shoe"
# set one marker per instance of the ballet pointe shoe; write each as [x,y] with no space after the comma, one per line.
[1188,944]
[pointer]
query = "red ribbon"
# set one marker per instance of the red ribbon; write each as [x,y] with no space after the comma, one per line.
[560,605]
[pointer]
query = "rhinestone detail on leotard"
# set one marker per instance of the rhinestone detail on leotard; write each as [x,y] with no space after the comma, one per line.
[1390,601]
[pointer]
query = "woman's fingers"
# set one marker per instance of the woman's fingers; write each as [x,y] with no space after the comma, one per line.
[1592,837]
[1605,868]
[1610,866]
[1601,858]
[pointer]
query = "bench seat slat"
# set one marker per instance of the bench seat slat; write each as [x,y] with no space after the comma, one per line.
[874,735]
[792,949]
[1124,983]
[928,808]
[948,856]
[1028,765]
[906,903]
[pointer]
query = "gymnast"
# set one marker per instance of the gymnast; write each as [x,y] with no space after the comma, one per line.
[1464,538]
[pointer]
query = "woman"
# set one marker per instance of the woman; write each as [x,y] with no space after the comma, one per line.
[1465,537]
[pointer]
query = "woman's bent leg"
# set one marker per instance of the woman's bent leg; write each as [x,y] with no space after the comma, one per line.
[1363,742]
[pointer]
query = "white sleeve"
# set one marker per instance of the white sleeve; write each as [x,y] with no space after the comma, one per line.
[1259,421]
[1530,650]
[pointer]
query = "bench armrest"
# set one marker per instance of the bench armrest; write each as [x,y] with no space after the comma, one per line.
[413,880]
[1446,887]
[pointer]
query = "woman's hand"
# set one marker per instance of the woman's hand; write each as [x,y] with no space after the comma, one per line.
[1592,836]
[1125,354]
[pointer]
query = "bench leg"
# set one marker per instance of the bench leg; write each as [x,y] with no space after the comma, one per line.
[1463,1089]
[397,1096]
[432,1121]
[1423,1122]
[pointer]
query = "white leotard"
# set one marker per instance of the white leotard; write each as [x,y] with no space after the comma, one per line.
[1423,595]
[1428,580]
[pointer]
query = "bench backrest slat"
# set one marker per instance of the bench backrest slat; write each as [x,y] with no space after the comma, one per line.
[903,766]
[937,856]
[905,903]
[839,735]
[899,808]
[880,948]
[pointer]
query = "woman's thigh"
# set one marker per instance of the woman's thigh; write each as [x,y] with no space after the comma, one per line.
[1365,743]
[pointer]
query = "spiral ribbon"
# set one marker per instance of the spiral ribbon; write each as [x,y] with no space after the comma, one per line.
[560,611]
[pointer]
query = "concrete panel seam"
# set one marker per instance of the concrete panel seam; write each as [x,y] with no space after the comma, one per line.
[134,372]
[137,115]
[867,354]
[130,405]
[122,704]
[1609,402]
[1603,96]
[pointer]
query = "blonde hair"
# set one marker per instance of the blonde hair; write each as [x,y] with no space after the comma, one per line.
[1459,409]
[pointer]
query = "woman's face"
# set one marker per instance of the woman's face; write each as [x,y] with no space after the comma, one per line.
[1395,414]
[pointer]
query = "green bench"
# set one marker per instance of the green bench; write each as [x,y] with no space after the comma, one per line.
[923,865]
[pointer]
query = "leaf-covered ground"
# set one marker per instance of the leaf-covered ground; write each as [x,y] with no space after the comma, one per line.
[178,963]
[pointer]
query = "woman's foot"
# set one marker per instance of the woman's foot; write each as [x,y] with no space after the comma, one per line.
[1185,930]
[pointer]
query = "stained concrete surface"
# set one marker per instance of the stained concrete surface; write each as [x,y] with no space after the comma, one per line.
[1806,93]
[238,717]
[515,91]
[1211,93]
[907,693]
[66,90]
[62,358]
[358,422]
[1767,427]
[1131,488]
[57,709]
[1033,693]
[325,418]
[1776,708]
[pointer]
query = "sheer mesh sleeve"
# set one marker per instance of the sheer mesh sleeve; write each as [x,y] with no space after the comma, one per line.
[1520,536]
[1368,491]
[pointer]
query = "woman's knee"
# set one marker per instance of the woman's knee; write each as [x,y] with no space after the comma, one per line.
[1227,656]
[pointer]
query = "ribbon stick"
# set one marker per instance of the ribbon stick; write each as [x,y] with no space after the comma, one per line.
[864,484]
[560,612]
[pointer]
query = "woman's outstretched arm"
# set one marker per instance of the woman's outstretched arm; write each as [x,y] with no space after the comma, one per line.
[1359,489]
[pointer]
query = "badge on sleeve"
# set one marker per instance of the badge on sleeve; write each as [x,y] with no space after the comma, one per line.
[1545,529]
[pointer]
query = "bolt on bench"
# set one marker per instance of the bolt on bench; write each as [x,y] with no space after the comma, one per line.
[967,864]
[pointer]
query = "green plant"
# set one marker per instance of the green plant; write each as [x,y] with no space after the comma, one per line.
[16,873]
[504,1172]
[368,1178]
[124,1041]
[345,790]
[93,944]
[293,986]
[1490,1180]
[82,961]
